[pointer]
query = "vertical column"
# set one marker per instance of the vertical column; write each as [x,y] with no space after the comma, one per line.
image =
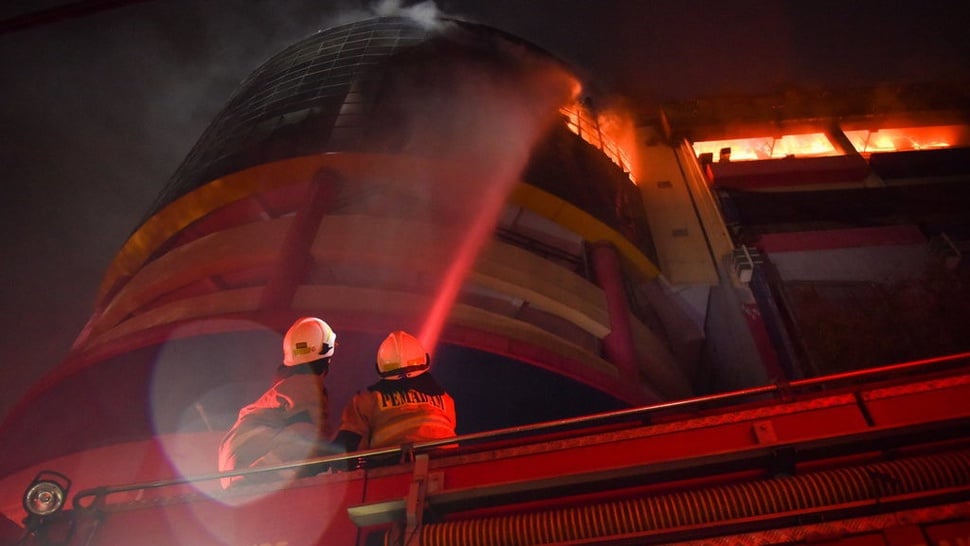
[618,345]
[295,254]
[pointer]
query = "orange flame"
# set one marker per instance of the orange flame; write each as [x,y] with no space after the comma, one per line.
[748,149]
[865,141]
[604,133]
[908,138]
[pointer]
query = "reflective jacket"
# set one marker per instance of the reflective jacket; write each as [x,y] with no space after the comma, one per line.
[287,423]
[393,412]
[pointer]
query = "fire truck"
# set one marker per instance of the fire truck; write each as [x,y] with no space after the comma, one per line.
[866,458]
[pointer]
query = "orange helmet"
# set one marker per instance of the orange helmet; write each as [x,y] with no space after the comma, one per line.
[402,355]
[309,339]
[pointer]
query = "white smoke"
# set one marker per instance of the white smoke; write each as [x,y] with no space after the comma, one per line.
[423,13]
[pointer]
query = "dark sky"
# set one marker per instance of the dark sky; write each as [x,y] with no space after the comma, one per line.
[97,111]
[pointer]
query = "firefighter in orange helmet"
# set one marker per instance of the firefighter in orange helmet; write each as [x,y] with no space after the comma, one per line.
[289,421]
[406,405]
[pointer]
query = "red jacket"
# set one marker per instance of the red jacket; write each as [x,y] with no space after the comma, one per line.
[393,412]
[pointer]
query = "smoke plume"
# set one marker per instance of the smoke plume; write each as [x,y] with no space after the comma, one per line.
[425,13]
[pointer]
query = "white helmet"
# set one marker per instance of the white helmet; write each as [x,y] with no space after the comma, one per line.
[309,339]
[400,355]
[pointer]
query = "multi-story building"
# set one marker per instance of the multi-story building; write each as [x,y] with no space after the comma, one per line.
[562,259]
[854,204]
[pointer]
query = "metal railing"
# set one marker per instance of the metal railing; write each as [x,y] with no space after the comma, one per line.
[639,415]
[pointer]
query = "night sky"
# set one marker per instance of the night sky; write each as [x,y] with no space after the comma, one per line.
[98,110]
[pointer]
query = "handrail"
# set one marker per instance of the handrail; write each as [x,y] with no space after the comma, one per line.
[108,490]
[786,389]
[776,388]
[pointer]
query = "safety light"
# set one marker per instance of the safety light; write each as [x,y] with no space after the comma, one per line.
[46,494]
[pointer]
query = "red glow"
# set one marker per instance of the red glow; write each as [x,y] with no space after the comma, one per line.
[865,141]
[619,136]
[908,138]
[748,149]
[605,133]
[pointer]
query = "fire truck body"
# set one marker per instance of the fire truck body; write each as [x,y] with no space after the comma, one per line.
[864,458]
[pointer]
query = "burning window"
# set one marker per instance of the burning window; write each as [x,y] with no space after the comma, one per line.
[867,141]
[749,149]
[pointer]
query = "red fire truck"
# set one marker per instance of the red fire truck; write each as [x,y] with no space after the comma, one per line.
[875,457]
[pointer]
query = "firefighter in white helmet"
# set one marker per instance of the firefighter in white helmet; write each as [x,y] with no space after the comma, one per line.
[406,405]
[289,421]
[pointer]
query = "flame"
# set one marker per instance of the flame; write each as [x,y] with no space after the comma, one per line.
[619,136]
[865,141]
[604,132]
[906,138]
[749,149]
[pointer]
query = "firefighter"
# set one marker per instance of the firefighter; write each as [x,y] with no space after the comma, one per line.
[406,405]
[289,421]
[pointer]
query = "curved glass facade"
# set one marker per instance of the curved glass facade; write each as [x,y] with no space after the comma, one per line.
[300,101]
[359,87]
